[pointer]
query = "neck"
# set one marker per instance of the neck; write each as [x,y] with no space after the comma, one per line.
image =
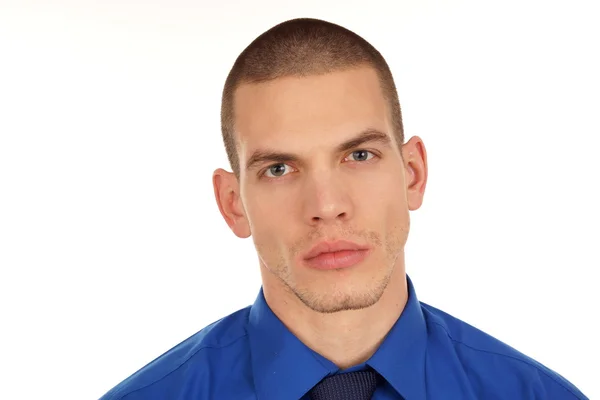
[346,338]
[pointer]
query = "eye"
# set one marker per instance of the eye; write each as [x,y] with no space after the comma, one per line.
[362,155]
[276,170]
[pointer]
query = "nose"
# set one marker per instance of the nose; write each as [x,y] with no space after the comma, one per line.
[327,199]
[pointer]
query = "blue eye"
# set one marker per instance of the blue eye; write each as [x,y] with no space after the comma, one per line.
[362,154]
[275,170]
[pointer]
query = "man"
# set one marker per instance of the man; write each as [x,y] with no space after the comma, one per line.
[323,181]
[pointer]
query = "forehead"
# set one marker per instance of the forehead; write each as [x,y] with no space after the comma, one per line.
[295,113]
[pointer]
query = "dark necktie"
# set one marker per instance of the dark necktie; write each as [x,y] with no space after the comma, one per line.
[359,385]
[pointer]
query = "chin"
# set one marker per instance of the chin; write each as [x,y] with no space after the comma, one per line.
[328,302]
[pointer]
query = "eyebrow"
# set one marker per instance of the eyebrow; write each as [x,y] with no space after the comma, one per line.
[368,135]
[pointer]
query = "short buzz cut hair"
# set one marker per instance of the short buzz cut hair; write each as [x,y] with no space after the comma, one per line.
[302,47]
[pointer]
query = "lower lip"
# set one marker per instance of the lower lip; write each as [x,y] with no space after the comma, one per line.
[338,259]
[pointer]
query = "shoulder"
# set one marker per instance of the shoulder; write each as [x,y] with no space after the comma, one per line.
[188,363]
[491,365]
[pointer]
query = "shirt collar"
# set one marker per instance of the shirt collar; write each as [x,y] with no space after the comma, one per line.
[401,357]
[284,367]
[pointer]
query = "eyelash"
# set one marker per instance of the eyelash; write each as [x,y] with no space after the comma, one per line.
[262,174]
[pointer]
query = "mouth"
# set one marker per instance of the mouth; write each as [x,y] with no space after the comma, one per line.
[337,259]
[335,255]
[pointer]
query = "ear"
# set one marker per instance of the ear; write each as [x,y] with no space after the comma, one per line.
[415,164]
[227,194]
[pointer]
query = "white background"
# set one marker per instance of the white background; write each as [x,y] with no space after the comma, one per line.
[112,249]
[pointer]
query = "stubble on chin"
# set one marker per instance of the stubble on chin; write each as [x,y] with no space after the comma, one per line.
[328,303]
[327,300]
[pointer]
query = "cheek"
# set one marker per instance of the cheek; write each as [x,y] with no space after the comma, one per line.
[389,205]
[387,194]
[267,209]
[265,221]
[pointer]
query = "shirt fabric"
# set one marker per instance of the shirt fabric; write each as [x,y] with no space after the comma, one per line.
[428,354]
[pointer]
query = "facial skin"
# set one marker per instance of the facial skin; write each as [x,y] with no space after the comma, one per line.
[362,194]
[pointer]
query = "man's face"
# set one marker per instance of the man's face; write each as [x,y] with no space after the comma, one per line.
[322,193]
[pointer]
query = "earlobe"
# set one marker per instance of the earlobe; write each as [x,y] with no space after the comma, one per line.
[226,189]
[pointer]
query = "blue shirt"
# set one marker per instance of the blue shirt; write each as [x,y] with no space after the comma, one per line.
[427,354]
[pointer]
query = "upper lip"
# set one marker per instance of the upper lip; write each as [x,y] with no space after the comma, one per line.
[329,247]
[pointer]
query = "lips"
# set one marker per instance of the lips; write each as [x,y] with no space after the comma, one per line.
[333,255]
